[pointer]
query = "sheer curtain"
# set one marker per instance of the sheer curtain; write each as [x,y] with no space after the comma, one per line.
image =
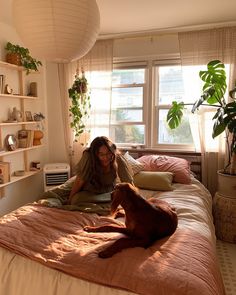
[97,65]
[198,48]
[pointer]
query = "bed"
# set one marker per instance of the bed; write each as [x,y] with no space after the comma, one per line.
[44,250]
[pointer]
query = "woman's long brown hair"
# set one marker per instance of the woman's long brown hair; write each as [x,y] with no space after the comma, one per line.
[94,149]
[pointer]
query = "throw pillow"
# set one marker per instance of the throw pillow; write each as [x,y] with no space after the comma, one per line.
[152,180]
[178,166]
[134,164]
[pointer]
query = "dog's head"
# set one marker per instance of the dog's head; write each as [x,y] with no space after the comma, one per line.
[122,193]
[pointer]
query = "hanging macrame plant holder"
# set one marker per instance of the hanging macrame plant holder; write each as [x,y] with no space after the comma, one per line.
[80,104]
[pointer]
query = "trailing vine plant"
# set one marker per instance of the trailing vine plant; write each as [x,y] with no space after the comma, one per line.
[80,104]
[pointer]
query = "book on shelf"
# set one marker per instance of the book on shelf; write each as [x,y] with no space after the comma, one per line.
[25,138]
[2,83]
[4,172]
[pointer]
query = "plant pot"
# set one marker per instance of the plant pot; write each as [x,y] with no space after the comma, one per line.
[14,58]
[224,208]
[226,184]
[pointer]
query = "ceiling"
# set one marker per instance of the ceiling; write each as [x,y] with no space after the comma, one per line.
[131,16]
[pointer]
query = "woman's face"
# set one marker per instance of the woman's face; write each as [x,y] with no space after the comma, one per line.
[104,156]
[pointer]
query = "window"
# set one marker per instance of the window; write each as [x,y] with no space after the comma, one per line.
[127,125]
[134,112]
[169,86]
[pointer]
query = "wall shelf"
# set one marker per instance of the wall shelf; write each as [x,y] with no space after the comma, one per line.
[22,160]
[11,66]
[18,178]
[18,96]
[19,123]
[20,150]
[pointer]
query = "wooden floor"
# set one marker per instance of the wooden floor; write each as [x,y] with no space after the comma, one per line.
[227,260]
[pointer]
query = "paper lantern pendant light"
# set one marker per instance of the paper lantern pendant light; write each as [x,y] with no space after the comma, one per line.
[57,30]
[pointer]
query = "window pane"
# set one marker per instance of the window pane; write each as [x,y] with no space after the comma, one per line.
[127,97]
[180,135]
[128,134]
[97,131]
[127,115]
[128,76]
[171,85]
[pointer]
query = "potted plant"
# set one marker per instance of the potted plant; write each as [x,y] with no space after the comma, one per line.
[80,104]
[21,56]
[214,90]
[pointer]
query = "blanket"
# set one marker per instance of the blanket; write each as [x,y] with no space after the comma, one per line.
[181,264]
[87,201]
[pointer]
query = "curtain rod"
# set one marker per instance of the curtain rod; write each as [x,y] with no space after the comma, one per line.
[171,30]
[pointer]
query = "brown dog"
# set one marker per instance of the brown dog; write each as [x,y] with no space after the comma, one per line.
[146,221]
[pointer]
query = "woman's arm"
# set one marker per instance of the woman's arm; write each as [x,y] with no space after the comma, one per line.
[77,185]
[124,172]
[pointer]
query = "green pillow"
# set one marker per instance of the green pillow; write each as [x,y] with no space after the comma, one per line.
[153,180]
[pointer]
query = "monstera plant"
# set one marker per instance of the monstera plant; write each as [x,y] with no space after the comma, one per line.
[213,93]
[80,104]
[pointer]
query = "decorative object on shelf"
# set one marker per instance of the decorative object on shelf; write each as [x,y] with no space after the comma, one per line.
[2,83]
[5,172]
[225,116]
[35,165]
[28,116]
[33,89]
[38,116]
[80,104]
[10,118]
[11,142]
[25,138]
[8,89]
[38,135]
[17,115]
[26,60]
[64,36]
[19,172]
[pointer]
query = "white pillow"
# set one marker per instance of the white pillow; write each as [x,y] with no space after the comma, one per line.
[135,165]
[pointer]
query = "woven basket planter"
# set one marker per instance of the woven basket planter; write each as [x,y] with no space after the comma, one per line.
[13,58]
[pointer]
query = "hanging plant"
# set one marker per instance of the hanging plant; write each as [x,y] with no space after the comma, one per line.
[80,104]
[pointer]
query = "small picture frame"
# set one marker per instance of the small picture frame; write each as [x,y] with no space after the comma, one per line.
[28,116]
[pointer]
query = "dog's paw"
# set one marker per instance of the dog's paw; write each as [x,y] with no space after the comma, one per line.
[88,228]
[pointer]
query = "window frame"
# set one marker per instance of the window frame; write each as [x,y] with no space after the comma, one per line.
[156,107]
[143,122]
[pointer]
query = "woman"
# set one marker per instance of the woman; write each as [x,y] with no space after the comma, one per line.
[97,171]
